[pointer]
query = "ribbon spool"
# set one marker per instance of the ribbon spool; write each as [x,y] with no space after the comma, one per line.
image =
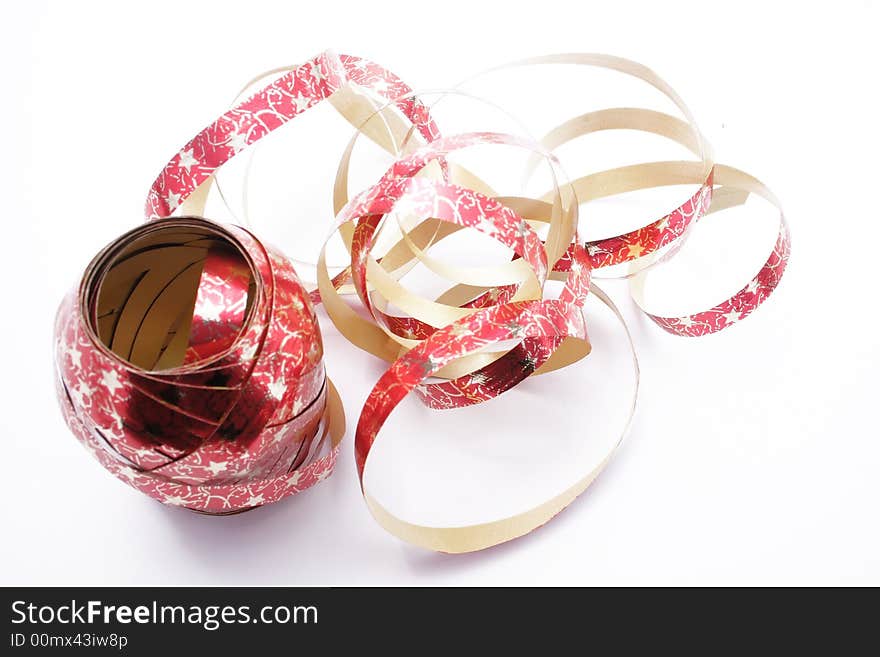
[190,364]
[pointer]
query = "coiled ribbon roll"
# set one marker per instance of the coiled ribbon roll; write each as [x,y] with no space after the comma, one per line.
[189,364]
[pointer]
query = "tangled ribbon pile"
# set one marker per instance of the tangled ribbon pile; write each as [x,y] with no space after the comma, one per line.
[190,360]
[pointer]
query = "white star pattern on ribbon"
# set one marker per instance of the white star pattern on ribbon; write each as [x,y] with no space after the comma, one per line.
[110,380]
[215,468]
[301,103]
[210,311]
[142,453]
[381,86]
[187,160]
[315,71]
[128,474]
[81,393]
[173,200]
[276,389]
[248,351]
[732,316]
[237,141]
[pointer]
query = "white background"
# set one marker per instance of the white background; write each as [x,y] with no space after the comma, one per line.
[754,456]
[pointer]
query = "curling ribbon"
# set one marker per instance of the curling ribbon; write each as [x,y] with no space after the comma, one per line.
[463,336]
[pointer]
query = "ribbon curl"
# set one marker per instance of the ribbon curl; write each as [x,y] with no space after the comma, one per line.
[493,326]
